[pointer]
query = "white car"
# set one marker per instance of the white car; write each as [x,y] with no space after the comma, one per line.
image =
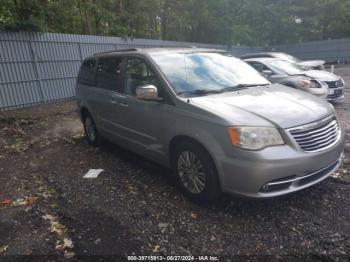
[307,64]
[320,83]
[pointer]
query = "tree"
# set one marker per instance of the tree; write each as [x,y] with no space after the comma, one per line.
[230,22]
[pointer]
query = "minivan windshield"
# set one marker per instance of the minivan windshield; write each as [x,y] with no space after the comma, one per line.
[204,73]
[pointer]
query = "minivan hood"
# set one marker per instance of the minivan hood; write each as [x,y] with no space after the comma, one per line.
[320,75]
[312,63]
[276,105]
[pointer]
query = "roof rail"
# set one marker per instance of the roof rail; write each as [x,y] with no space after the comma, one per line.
[118,50]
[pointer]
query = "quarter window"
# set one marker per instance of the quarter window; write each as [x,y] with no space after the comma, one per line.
[86,75]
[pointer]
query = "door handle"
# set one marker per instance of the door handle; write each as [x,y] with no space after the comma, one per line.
[123,104]
[115,102]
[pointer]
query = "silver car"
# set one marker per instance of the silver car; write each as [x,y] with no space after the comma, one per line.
[212,118]
[308,64]
[320,83]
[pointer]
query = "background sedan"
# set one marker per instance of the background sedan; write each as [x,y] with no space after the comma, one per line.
[308,64]
[320,83]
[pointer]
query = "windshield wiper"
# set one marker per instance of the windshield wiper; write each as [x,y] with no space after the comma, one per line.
[240,87]
[218,91]
[200,92]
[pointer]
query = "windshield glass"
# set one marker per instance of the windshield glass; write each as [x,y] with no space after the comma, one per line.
[285,67]
[206,71]
[287,57]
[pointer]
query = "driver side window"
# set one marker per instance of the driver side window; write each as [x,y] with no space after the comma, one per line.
[138,73]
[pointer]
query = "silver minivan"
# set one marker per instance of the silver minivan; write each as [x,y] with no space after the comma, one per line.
[212,118]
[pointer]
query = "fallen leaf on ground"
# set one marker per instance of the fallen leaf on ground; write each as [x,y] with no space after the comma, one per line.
[54,205]
[194,215]
[3,248]
[47,194]
[67,243]
[156,248]
[67,140]
[69,255]
[296,230]
[58,228]
[335,175]
[6,203]
[24,201]
[49,217]
[31,200]
[19,202]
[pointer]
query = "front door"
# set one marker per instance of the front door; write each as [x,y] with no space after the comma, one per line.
[142,120]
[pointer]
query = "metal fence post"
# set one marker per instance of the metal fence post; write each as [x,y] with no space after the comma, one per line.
[80,52]
[36,71]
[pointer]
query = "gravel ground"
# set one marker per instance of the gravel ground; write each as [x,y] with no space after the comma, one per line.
[47,208]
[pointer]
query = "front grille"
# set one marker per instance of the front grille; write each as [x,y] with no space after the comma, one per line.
[317,137]
[334,84]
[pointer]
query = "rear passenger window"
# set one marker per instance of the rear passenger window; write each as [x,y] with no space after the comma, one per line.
[86,75]
[109,73]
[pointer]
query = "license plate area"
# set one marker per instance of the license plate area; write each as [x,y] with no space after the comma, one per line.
[335,92]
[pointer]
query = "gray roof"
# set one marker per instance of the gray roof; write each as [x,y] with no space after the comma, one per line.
[261,59]
[160,50]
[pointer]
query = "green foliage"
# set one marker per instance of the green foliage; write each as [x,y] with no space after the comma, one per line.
[245,22]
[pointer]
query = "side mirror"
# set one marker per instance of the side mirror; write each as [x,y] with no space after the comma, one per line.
[147,92]
[266,73]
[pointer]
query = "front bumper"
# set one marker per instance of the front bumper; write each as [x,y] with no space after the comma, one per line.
[330,94]
[339,94]
[335,94]
[278,170]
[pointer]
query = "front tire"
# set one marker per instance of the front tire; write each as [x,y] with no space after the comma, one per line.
[91,132]
[196,173]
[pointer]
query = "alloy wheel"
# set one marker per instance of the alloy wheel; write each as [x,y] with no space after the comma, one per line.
[191,172]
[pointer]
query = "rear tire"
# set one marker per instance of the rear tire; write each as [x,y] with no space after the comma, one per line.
[91,133]
[196,172]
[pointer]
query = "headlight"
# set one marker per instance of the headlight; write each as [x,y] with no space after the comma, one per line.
[311,83]
[254,138]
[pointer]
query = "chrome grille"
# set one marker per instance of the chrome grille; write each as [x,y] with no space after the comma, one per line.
[334,84]
[317,137]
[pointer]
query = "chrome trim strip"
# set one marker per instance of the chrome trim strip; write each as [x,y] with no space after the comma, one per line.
[334,129]
[324,148]
[339,161]
[321,141]
[315,130]
[311,125]
[334,99]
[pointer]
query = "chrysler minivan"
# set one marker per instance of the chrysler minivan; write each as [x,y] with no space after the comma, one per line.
[212,118]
